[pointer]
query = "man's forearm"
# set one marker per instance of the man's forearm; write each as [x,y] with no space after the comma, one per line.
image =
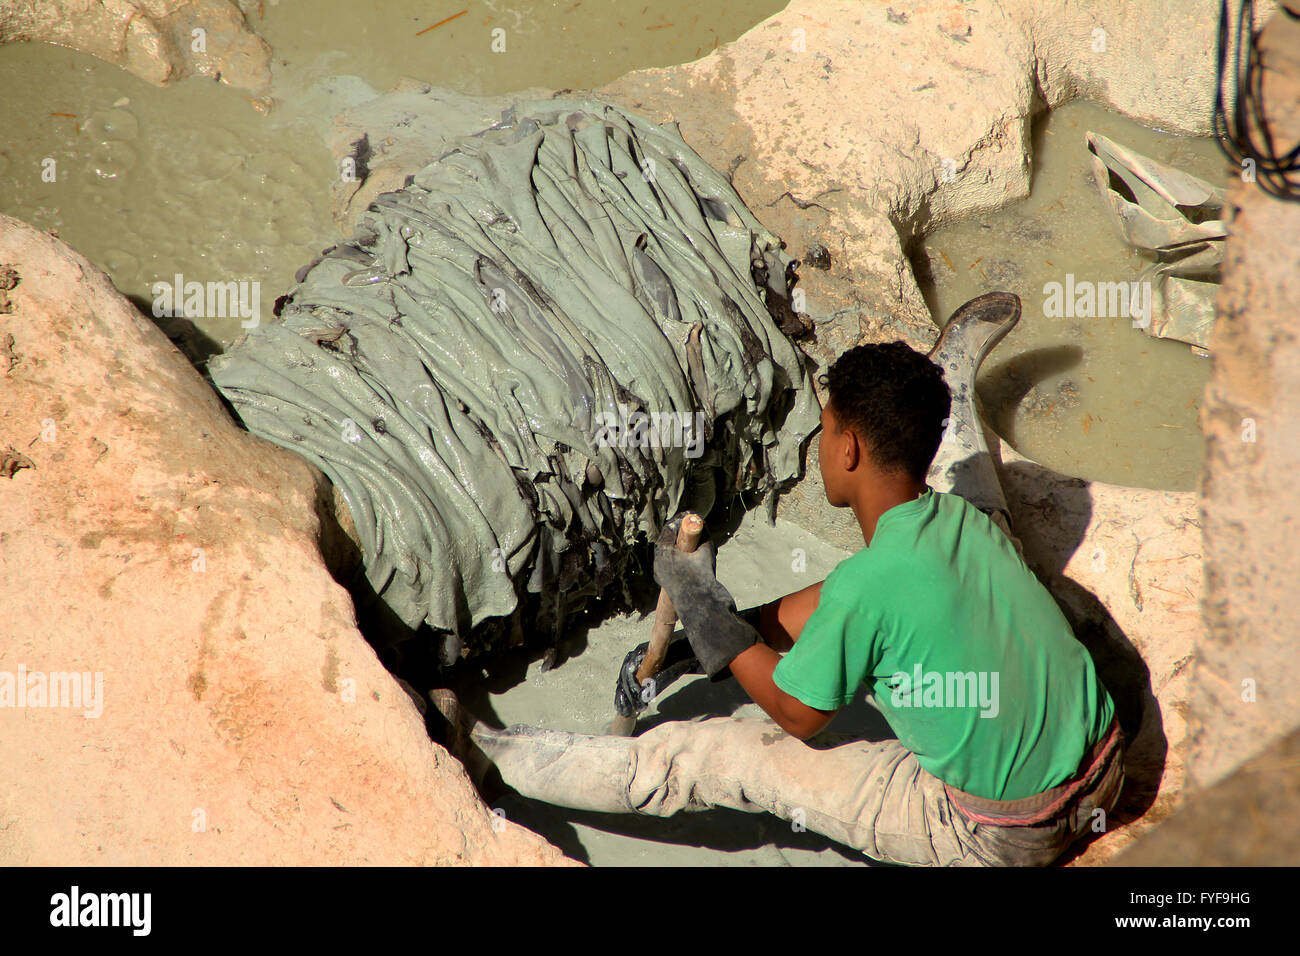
[753,671]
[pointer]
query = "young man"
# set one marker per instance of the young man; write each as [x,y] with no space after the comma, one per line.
[1007,747]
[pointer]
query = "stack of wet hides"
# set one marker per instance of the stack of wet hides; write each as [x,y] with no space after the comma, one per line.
[554,337]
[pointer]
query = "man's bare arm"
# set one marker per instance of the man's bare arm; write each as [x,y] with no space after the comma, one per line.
[753,670]
[782,620]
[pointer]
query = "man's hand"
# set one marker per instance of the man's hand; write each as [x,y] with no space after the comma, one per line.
[705,608]
[631,697]
[676,570]
[726,644]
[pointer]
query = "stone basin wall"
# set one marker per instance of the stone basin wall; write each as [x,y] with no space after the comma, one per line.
[147,539]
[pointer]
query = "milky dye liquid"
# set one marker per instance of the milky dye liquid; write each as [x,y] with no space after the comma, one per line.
[191,190]
[151,184]
[1088,396]
[498,46]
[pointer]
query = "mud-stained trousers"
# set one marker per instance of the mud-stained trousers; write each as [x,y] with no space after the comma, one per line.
[871,796]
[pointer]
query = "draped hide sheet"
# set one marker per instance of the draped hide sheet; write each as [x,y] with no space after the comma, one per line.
[470,369]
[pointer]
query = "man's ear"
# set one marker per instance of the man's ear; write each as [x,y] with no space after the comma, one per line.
[852,449]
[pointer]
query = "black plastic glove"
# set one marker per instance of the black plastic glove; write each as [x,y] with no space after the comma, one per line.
[705,608]
[632,698]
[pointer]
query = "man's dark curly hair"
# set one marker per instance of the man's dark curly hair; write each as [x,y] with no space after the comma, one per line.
[895,398]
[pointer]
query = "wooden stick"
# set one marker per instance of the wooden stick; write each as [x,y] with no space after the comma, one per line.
[441,22]
[688,539]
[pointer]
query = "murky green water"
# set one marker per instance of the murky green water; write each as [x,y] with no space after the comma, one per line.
[1092,397]
[192,180]
[497,46]
[150,183]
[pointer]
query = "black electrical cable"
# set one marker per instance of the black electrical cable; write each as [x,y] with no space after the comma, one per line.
[1246,139]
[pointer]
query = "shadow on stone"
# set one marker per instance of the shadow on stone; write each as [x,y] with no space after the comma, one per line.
[1002,388]
[195,344]
[1063,516]
[1246,820]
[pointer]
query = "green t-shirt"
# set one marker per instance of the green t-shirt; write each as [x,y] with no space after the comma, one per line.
[962,648]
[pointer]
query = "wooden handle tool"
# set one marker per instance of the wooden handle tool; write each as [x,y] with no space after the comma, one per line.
[688,539]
